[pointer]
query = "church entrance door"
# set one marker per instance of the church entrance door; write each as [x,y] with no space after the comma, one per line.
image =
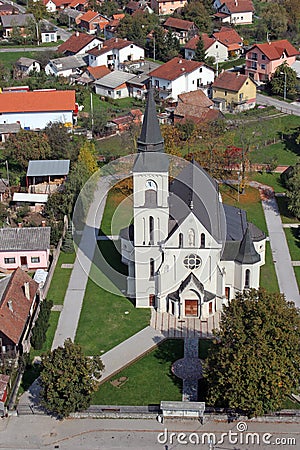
[191,308]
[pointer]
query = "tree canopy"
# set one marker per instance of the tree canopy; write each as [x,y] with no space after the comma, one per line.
[200,51]
[254,362]
[284,78]
[68,379]
[293,193]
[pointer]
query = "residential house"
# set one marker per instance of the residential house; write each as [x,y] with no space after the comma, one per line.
[183,30]
[25,247]
[181,75]
[35,109]
[92,74]
[166,7]
[263,59]
[123,123]
[236,12]
[79,5]
[48,33]
[114,52]
[7,9]
[213,48]
[231,39]
[138,86]
[69,66]
[4,384]
[46,176]
[19,300]
[92,22]
[50,5]
[61,4]
[73,16]
[196,107]
[24,66]
[114,85]
[234,92]
[20,21]
[79,44]
[111,28]
[35,202]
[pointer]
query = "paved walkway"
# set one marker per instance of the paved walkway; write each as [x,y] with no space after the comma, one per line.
[280,251]
[69,317]
[190,384]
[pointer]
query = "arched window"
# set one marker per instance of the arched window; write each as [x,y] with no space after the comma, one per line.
[191,235]
[247,278]
[202,243]
[152,268]
[151,229]
[151,198]
[180,240]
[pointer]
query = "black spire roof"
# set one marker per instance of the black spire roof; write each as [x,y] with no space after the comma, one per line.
[151,156]
[247,253]
[150,139]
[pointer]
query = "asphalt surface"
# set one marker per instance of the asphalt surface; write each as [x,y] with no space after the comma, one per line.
[285,107]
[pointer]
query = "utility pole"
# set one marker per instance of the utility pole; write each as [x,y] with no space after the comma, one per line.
[153,46]
[92,111]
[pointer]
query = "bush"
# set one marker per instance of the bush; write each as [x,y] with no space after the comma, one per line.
[67,245]
[41,325]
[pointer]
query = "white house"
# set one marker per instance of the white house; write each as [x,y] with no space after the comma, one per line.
[212,46]
[236,12]
[114,84]
[50,5]
[34,110]
[66,66]
[24,66]
[79,44]
[115,52]
[180,75]
[49,35]
[187,253]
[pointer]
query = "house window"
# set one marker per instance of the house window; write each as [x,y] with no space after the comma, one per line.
[202,240]
[263,57]
[263,66]
[225,93]
[227,292]
[35,259]
[254,56]
[241,96]
[192,261]
[180,240]
[247,278]
[254,65]
[109,92]
[119,93]
[151,268]
[131,46]
[210,307]
[9,260]
[217,46]
[200,70]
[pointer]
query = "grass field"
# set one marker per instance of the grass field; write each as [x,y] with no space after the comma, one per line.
[9,58]
[149,380]
[270,179]
[249,201]
[60,279]
[297,273]
[119,145]
[108,318]
[117,201]
[292,237]
[268,278]
[286,216]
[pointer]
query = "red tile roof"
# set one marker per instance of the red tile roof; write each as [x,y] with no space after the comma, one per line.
[229,37]
[274,50]
[89,16]
[118,16]
[195,98]
[12,322]
[37,101]
[175,68]
[75,3]
[180,24]
[207,42]
[113,43]
[59,3]
[98,71]
[75,43]
[230,81]
[239,6]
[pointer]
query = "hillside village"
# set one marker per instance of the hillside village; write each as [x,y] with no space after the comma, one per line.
[215,83]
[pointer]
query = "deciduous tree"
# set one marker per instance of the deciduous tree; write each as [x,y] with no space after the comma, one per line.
[293,193]
[68,379]
[274,17]
[254,362]
[284,78]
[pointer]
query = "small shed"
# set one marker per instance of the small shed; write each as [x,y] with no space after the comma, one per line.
[36,202]
[49,174]
[187,410]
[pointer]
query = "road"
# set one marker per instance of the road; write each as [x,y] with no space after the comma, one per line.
[285,107]
[39,432]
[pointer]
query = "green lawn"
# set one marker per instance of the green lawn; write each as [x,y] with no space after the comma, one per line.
[270,179]
[297,273]
[268,278]
[103,323]
[292,237]
[249,201]
[60,280]
[280,152]
[149,380]
[286,215]
[9,58]
[120,203]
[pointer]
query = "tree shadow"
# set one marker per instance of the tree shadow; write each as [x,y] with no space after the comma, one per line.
[168,352]
[296,235]
[289,140]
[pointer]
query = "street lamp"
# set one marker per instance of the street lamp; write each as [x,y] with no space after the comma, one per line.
[284,87]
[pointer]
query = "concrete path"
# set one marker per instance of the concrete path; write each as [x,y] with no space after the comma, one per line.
[129,351]
[190,385]
[280,251]
[69,317]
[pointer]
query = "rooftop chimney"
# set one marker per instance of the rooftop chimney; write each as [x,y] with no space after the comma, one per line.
[20,225]
[9,304]
[26,290]
[43,223]
[180,61]
[77,33]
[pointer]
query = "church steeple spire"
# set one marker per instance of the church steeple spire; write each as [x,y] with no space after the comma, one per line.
[150,139]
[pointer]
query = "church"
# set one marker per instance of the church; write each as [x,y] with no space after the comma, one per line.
[187,253]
